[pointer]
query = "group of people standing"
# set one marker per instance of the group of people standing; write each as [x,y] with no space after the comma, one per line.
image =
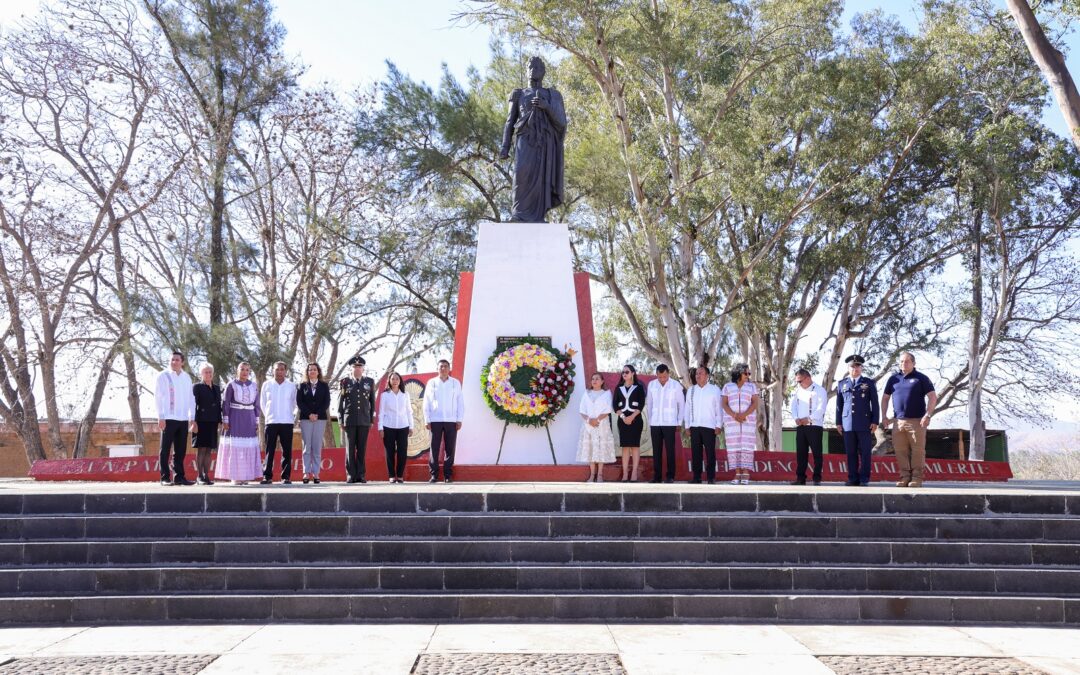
[703,410]
[227,420]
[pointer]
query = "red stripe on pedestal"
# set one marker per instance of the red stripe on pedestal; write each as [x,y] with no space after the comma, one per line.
[461,328]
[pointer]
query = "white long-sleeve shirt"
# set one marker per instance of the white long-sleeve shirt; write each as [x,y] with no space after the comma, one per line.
[395,410]
[278,401]
[809,402]
[664,403]
[174,396]
[703,407]
[443,401]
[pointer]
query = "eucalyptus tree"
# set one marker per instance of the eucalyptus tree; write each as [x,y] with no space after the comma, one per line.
[228,55]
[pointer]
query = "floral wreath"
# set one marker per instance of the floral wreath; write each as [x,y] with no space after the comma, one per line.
[527,384]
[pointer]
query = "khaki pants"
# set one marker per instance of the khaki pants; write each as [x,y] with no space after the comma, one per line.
[909,442]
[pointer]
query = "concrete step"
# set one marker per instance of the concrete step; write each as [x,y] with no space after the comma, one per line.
[630,525]
[421,498]
[633,607]
[308,579]
[538,550]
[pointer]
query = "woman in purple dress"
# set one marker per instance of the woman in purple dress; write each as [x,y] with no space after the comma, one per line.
[238,458]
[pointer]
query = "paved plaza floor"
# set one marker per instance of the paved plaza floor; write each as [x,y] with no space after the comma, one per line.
[634,649]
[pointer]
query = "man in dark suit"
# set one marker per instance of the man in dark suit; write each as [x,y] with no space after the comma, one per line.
[857,414]
[356,410]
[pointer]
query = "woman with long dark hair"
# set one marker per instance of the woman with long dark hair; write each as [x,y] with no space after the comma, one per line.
[628,405]
[395,426]
[313,404]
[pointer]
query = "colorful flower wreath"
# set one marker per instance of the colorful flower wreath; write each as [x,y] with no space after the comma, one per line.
[527,384]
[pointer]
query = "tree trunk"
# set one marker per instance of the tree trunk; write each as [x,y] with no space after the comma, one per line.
[125,341]
[976,426]
[86,426]
[1052,64]
[47,369]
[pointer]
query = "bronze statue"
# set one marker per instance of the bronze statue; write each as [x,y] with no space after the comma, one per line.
[536,123]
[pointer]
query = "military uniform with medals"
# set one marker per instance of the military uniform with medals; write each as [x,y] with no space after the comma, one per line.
[857,410]
[356,408]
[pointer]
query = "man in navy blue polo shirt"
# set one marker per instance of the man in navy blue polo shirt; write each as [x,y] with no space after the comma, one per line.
[914,399]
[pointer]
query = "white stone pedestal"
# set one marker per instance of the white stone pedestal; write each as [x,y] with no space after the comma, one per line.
[523,285]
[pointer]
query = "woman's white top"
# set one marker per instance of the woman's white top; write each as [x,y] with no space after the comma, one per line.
[595,403]
[395,410]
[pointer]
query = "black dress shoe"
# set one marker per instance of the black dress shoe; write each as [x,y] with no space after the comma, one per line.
[798,482]
[669,480]
[433,479]
[864,484]
[166,481]
[817,481]
[203,481]
[361,480]
[287,482]
[850,483]
[350,480]
[711,481]
[655,480]
[304,480]
[694,481]
[180,480]
[315,480]
[449,480]
[265,481]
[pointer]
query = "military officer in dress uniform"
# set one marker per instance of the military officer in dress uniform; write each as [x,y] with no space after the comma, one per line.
[356,410]
[857,414]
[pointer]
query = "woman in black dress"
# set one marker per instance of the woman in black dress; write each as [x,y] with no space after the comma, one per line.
[207,421]
[629,402]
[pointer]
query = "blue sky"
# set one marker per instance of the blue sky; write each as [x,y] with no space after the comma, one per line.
[350,42]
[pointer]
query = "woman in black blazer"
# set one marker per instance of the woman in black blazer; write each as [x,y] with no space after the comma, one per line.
[207,421]
[313,403]
[628,404]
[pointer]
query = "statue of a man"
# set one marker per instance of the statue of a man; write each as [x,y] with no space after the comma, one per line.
[536,123]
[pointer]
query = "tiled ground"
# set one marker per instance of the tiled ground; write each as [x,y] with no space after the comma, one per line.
[313,649]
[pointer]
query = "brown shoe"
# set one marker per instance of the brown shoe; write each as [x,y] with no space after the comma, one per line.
[915,483]
[902,483]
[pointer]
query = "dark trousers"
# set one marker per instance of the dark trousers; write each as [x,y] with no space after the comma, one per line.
[859,445]
[356,451]
[396,442]
[807,440]
[440,432]
[276,433]
[173,438]
[703,442]
[663,442]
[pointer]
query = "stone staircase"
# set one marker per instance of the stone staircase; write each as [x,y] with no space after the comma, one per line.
[555,553]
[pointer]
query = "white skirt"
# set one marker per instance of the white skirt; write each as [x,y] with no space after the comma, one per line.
[596,444]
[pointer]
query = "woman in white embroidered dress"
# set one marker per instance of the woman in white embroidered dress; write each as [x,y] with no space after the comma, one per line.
[596,444]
